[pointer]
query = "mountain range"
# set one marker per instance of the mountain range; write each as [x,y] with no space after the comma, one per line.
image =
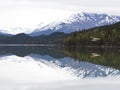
[76,22]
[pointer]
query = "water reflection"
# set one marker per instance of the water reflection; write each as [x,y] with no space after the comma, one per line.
[52,63]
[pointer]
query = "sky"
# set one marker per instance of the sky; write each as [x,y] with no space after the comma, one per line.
[25,15]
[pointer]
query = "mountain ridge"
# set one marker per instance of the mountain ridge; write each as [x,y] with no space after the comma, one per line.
[77,22]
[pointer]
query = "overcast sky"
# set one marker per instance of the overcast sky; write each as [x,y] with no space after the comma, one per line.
[30,13]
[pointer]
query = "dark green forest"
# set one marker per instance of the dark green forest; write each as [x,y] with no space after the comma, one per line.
[108,35]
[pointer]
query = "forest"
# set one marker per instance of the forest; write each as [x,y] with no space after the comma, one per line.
[108,35]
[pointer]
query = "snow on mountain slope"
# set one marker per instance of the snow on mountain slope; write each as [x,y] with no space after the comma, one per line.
[13,30]
[77,22]
[4,34]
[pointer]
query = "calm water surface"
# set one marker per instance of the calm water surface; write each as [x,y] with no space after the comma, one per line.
[48,64]
[52,68]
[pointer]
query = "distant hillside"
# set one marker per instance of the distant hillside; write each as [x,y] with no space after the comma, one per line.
[55,38]
[106,35]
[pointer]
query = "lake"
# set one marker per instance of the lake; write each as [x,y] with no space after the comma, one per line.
[51,68]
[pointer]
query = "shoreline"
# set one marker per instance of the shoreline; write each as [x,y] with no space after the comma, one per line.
[92,46]
[27,45]
[54,45]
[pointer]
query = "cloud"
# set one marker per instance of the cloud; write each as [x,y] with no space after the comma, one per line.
[14,13]
[85,3]
[63,4]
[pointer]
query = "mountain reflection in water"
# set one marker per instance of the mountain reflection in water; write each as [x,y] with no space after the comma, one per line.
[52,63]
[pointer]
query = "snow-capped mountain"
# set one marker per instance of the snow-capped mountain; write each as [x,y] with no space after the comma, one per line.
[4,34]
[13,30]
[77,22]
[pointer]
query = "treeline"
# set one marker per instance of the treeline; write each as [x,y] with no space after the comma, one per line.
[55,38]
[102,36]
